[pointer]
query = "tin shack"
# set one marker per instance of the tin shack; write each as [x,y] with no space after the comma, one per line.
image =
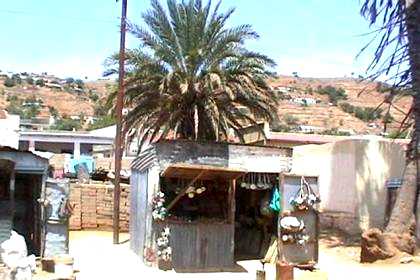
[203,206]
[22,178]
[28,202]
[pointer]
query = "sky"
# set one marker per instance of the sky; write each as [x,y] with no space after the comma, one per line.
[315,38]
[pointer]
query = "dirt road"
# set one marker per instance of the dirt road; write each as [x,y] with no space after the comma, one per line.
[97,258]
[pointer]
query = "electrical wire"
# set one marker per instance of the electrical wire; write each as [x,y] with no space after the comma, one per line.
[77,19]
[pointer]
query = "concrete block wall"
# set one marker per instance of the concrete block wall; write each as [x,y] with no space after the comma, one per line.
[93,206]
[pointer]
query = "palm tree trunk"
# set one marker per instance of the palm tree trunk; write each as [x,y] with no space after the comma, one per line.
[413,33]
[397,236]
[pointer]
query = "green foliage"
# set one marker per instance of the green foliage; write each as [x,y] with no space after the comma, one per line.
[398,134]
[335,131]
[192,72]
[387,118]
[93,96]
[30,110]
[278,127]
[53,111]
[79,83]
[366,114]
[334,94]
[9,82]
[30,81]
[67,124]
[347,107]
[102,122]
[40,82]
[17,79]
[309,90]
[69,81]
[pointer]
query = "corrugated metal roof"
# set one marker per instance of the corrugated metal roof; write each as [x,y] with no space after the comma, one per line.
[145,159]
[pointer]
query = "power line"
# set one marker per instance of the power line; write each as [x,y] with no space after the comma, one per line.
[77,19]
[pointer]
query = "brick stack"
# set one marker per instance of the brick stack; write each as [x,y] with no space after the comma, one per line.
[94,206]
[76,201]
[105,198]
[89,207]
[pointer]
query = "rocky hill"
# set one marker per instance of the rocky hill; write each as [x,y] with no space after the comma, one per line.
[305,104]
[65,100]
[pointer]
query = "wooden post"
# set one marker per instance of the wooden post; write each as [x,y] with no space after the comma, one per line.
[284,271]
[232,202]
[260,275]
[118,136]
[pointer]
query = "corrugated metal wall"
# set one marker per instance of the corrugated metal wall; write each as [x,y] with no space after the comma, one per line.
[138,196]
[200,247]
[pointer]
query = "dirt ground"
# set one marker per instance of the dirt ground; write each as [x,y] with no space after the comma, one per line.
[97,258]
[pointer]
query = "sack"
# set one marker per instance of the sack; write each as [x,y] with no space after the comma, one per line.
[275,200]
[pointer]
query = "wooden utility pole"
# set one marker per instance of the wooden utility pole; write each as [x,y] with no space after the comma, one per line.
[118,136]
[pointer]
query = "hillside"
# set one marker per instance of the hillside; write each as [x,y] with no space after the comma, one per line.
[67,103]
[325,116]
[316,115]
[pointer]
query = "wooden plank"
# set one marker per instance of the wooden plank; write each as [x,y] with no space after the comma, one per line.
[188,171]
[184,191]
[232,202]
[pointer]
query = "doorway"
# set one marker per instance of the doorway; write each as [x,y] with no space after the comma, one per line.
[27,214]
[255,225]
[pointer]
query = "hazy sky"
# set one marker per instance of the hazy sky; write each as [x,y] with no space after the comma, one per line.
[317,38]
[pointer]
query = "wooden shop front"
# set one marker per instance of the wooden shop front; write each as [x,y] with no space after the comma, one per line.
[184,201]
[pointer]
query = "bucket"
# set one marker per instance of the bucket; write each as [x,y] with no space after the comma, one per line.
[63,267]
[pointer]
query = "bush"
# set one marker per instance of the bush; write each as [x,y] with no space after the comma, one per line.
[30,81]
[40,82]
[102,122]
[347,107]
[363,113]
[9,82]
[67,124]
[334,131]
[334,94]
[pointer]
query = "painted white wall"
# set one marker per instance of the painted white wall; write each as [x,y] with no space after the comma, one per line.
[352,175]
[9,131]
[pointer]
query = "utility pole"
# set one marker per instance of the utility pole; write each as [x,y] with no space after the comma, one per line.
[118,136]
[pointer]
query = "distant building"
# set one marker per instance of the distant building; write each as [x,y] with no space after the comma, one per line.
[304,101]
[309,128]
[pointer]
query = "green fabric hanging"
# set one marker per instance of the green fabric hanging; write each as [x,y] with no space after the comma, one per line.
[275,200]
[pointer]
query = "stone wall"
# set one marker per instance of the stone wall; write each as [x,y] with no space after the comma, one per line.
[93,206]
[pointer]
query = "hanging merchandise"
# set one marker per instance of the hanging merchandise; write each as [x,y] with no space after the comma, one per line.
[275,200]
[159,212]
[293,230]
[256,181]
[164,251]
[305,198]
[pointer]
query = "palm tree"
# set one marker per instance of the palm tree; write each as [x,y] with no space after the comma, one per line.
[193,77]
[400,20]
